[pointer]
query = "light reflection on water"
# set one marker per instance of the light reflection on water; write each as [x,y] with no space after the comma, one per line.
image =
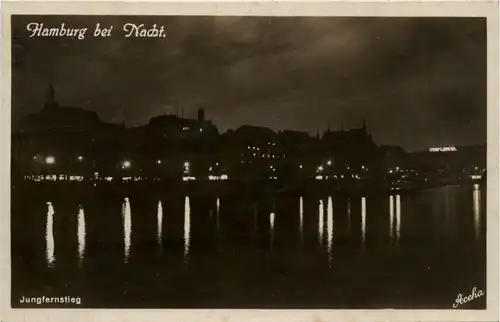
[257,262]
[127,227]
[49,235]
[321,210]
[329,226]
[159,223]
[398,218]
[271,228]
[81,233]
[301,219]
[476,197]
[217,219]
[363,219]
[391,216]
[348,215]
[187,226]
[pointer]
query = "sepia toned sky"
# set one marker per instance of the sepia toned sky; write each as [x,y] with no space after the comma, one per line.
[418,82]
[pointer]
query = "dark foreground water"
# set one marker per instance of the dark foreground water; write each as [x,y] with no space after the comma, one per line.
[172,250]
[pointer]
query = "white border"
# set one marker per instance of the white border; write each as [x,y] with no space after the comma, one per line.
[252,8]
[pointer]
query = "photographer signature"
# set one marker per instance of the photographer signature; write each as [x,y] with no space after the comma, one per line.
[461,299]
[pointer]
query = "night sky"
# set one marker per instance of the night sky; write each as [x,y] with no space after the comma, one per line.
[418,82]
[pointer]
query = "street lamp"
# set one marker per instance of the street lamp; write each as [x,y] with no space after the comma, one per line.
[126,164]
[50,160]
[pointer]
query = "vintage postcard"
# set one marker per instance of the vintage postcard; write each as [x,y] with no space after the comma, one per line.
[250,161]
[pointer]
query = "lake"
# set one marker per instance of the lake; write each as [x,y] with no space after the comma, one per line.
[169,249]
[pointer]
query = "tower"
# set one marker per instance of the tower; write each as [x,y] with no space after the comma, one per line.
[201,115]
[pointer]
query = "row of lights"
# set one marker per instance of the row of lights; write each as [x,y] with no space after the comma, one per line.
[50,159]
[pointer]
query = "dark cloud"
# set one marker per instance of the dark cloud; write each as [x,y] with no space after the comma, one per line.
[416,81]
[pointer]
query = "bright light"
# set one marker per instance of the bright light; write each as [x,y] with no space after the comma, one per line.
[80,158]
[362,167]
[158,161]
[210,169]
[50,160]
[475,177]
[126,164]
[300,166]
[319,177]
[186,164]
[390,171]
[320,168]
[443,149]
[221,177]
[329,162]
[188,178]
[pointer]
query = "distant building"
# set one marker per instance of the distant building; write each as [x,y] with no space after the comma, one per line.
[57,118]
[395,156]
[177,128]
[298,145]
[459,161]
[73,137]
[354,146]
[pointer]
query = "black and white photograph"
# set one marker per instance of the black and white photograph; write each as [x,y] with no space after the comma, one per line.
[249,162]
